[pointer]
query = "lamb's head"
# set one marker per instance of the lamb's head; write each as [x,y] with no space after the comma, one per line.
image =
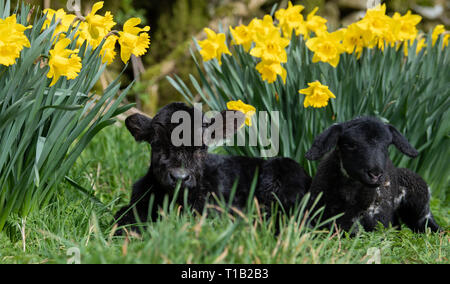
[362,147]
[179,136]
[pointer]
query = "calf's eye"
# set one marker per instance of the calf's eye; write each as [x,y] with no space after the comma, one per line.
[349,146]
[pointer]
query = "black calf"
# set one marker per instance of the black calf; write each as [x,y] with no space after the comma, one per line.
[203,173]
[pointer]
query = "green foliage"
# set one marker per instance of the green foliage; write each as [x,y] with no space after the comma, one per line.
[43,130]
[412,93]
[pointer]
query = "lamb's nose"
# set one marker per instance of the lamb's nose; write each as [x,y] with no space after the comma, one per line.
[375,174]
[180,174]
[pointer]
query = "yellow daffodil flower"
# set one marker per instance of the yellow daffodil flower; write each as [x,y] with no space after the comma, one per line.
[405,26]
[290,19]
[379,25]
[317,95]
[108,51]
[314,24]
[355,39]
[12,40]
[439,29]
[214,46]
[261,29]
[420,44]
[62,19]
[133,40]
[99,26]
[63,62]
[270,70]
[242,35]
[327,47]
[247,110]
[271,48]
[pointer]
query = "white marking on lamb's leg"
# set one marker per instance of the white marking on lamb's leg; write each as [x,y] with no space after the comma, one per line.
[373,210]
[378,191]
[400,197]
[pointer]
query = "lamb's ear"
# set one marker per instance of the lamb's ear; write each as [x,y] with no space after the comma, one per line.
[139,126]
[324,142]
[402,143]
[223,126]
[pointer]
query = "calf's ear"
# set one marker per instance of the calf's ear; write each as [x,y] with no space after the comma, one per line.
[402,143]
[323,143]
[139,126]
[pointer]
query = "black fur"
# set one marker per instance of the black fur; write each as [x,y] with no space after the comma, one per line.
[203,173]
[358,179]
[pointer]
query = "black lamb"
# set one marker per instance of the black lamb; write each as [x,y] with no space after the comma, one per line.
[358,179]
[202,173]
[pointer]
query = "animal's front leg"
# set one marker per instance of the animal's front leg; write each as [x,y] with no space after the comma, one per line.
[144,204]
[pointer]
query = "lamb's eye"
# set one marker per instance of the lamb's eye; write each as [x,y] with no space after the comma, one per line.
[350,146]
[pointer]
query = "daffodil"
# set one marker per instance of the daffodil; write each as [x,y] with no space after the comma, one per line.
[290,19]
[380,26]
[133,40]
[327,47]
[108,51]
[242,35]
[314,24]
[261,29]
[405,26]
[317,95]
[12,40]
[247,110]
[271,48]
[270,70]
[420,44]
[98,26]
[439,29]
[63,62]
[214,46]
[355,39]
[62,19]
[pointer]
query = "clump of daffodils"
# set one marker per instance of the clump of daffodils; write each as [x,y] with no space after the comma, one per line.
[93,29]
[268,40]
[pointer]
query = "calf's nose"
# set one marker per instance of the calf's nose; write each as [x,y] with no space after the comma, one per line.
[375,173]
[179,174]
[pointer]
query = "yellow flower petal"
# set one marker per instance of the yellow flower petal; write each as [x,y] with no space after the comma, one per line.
[246,109]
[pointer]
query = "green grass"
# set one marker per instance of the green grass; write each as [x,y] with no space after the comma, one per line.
[107,169]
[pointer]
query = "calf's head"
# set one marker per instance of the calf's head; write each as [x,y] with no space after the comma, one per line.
[179,136]
[362,147]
